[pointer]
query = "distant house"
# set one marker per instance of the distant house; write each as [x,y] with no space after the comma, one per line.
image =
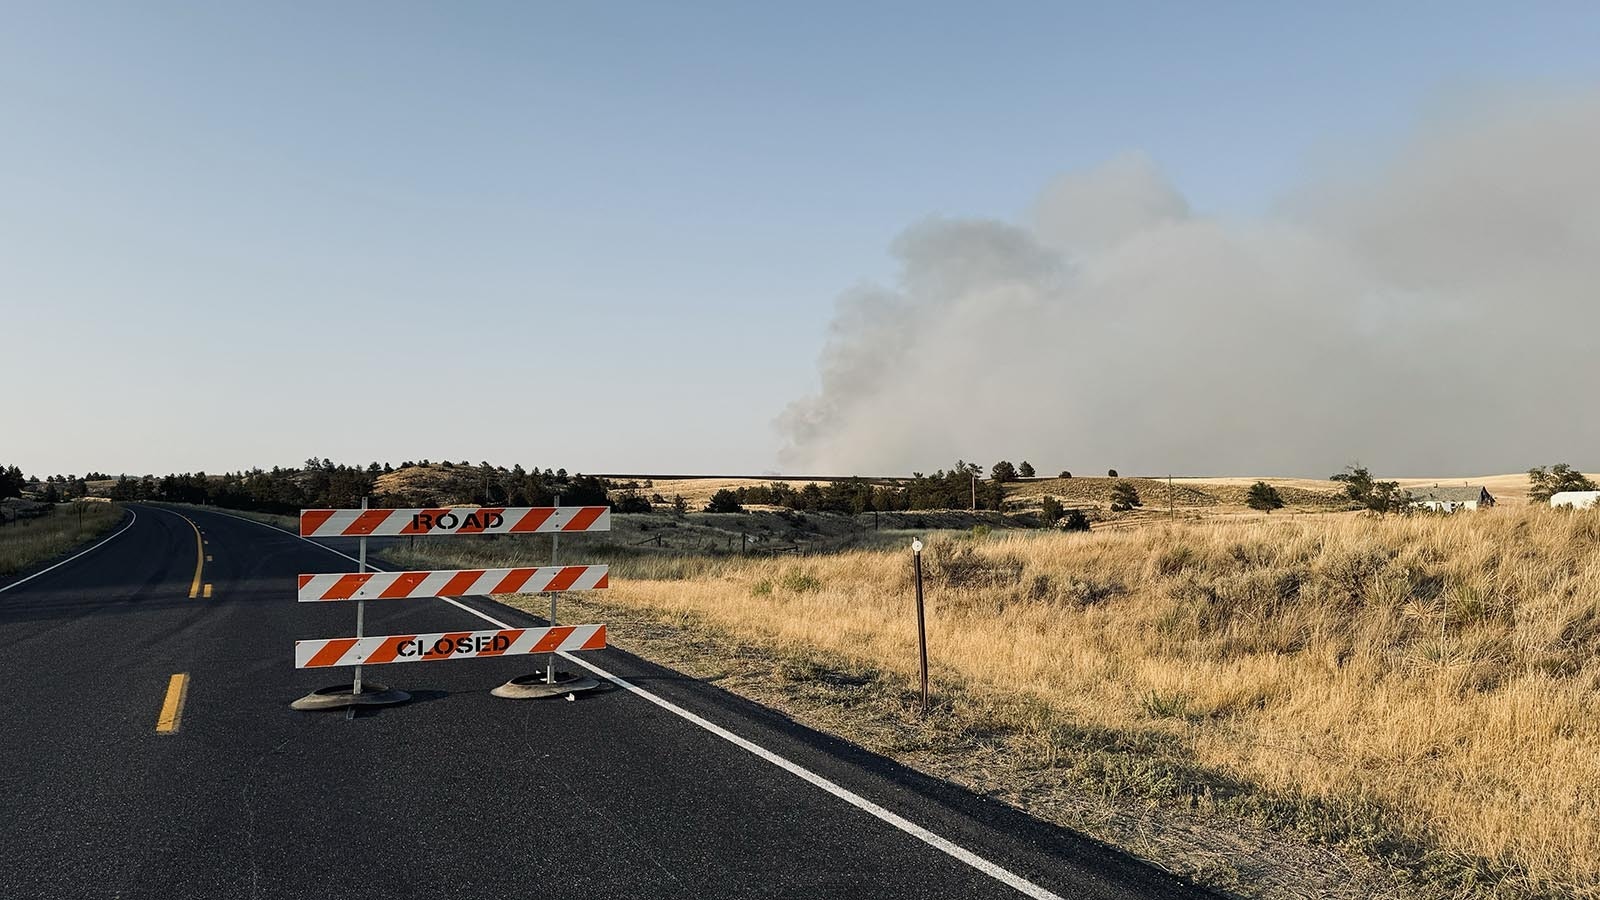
[1451,499]
[1575,499]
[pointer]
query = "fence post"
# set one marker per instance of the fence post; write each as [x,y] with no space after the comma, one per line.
[922,629]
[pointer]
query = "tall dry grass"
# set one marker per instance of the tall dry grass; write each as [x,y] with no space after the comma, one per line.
[1431,679]
[26,542]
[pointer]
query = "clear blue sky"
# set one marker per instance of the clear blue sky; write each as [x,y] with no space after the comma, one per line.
[600,236]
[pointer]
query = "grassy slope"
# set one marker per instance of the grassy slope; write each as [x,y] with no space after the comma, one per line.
[1421,688]
[28,542]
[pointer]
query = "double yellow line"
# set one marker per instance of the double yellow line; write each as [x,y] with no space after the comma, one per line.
[199,559]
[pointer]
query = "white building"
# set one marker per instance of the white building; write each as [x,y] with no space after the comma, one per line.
[1575,499]
[1451,499]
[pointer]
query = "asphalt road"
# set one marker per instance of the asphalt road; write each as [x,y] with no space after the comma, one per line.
[456,794]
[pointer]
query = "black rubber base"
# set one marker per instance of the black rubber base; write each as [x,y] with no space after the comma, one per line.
[340,696]
[532,687]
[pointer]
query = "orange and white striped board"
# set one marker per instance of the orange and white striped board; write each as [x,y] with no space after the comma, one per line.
[402,648]
[450,583]
[453,520]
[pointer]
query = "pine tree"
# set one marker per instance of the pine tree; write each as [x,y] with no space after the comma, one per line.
[1124,496]
[1025,470]
[11,482]
[1051,510]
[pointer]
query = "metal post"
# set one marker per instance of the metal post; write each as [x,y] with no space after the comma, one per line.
[361,604]
[922,629]
[555,546]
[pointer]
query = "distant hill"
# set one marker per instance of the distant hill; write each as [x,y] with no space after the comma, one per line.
[442,484]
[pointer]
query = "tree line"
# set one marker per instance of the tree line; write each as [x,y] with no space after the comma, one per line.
[321,483]
[961,487]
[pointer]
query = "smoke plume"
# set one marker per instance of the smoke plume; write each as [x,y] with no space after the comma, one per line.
[1433,313]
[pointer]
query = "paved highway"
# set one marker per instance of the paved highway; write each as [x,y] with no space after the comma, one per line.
[659,786]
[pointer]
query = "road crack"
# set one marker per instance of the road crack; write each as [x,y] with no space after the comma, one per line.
[249,792]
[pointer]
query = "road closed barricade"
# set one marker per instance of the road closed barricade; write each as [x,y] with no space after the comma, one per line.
[363,585]
[325,523]
[400,648]
[450,583]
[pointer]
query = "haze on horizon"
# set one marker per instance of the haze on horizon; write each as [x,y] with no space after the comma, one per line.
[722,239]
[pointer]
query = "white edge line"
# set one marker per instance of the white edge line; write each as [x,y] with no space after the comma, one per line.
[999,873]
[133,517]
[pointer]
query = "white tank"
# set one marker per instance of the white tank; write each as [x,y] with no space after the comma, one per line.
[1575,499]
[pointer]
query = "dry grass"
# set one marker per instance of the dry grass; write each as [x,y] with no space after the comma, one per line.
[1136,790]
[1507,489]
[1209,496]
[1424,688]
[27,542]
[434,479]
[1206,496]
[699,490]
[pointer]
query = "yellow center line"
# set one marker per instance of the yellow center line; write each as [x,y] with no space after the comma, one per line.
[199,556]
[172,706]
[208,590]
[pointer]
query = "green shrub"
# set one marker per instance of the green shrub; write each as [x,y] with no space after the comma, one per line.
[724,501]
[1171,705]
[1561,477]
[1264,496]
[630,502]
[799,581]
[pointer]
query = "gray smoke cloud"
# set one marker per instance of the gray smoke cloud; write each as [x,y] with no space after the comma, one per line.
[1434,313]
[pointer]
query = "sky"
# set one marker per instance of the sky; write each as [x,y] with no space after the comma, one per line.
[629,238]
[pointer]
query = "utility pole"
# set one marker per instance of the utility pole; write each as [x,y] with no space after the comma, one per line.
[974,490]
[1172,504]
